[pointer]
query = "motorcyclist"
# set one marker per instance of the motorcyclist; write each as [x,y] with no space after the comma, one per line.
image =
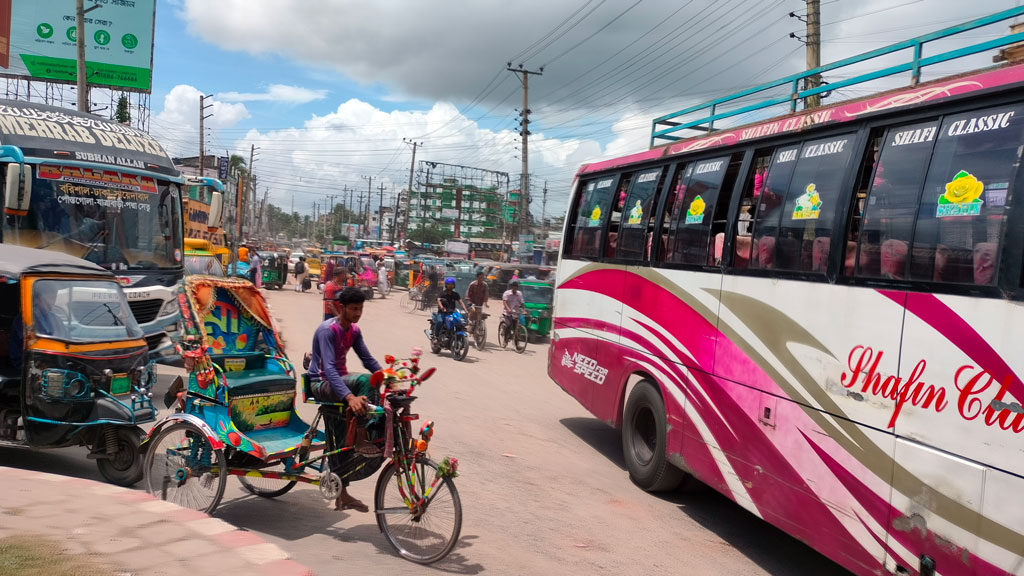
[513,303]
[449,301]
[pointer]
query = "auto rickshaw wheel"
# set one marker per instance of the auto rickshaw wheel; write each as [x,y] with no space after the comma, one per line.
[124,467]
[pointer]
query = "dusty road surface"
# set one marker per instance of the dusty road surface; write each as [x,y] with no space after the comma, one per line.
[542,483]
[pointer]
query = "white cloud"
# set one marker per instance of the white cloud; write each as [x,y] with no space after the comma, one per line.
[176,126]
[276,93]
[332,154]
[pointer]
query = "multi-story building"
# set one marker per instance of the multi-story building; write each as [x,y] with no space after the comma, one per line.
[465,211]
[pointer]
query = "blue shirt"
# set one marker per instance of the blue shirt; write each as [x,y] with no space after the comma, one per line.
[329,355]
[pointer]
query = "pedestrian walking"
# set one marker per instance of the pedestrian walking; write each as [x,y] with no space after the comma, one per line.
[255,272]
[382,279]
[300,273]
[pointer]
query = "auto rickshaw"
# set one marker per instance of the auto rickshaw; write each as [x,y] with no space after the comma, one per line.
[538,298]
[74,367]
[274,270]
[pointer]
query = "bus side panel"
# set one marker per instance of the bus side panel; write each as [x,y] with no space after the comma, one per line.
[789,343]
[961,379]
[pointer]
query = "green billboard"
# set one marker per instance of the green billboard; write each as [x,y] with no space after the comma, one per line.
[118,42]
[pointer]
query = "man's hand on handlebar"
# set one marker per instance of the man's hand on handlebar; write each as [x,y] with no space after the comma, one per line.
[357,404]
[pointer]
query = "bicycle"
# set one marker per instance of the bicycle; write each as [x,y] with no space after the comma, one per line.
[415,298]
[478,327]
[514,329]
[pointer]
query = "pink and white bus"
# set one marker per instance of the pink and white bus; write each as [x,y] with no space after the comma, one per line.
[821,316]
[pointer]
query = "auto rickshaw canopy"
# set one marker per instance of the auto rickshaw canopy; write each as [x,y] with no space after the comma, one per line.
[16,261]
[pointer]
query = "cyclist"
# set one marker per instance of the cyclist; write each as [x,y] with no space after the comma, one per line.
[330,380]
[449,301]
[476,294]
[513,302]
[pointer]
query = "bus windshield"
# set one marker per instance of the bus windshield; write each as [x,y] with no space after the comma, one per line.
[117,220]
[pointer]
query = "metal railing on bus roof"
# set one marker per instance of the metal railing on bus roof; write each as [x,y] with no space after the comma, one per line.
[663,126]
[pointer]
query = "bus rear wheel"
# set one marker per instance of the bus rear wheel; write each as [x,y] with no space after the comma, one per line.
[644,441]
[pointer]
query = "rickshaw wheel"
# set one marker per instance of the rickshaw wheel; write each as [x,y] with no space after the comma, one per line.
[183,468]
[125,467]
[266,487]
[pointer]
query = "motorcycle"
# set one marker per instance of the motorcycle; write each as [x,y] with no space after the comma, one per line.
[452,336]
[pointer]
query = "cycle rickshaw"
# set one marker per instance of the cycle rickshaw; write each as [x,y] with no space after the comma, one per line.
[236,417]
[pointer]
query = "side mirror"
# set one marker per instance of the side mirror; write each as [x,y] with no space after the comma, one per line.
[216,219]
[18,191]
[427,374]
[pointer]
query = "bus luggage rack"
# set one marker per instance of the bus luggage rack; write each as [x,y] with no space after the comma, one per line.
[664,127]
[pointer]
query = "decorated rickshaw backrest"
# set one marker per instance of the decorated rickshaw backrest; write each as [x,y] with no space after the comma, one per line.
[229,327]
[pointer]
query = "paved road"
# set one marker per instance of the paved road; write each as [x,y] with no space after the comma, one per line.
[543,484]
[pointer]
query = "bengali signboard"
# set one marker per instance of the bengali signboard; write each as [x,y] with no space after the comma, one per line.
[118,45]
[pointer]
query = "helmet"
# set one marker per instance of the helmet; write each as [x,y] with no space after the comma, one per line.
[449,280]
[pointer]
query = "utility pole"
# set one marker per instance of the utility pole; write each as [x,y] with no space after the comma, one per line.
[369,194]
[359,227]
[524,184]
[394,220]
[380,214]
[251,180]
[813,51]
[412,167]
[81,75]
[202,132]
[543,212]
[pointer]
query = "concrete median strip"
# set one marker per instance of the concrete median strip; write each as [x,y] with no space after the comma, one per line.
[130,531]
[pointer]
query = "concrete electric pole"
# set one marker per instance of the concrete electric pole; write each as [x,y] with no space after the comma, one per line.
[524,184]
[369,195]
[813,51]
[81,74]
[202,134]
[380,214]
[405,212]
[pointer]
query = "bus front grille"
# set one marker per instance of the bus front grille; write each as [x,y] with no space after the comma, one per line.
[145,310]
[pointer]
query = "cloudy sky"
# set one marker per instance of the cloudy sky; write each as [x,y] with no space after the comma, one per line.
[328,89]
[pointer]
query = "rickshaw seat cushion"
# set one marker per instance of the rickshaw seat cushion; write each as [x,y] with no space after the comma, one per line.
[262,381]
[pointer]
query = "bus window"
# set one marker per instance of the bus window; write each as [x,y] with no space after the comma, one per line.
[811,205]
[591,214]
[616,215]
[748,205]
[769,207]
[892,200]
[966,193]
[719,213]
[692,215]
[855,227]
[673,205]
[639,207]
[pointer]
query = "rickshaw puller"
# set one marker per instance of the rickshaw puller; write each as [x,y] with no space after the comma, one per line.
[332,382]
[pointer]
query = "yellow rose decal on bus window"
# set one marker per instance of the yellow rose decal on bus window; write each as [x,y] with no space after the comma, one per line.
[695,215]
[962,196]
[808,206]
[636,214]
[595,217]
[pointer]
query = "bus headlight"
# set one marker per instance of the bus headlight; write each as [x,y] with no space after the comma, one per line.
[169,307]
